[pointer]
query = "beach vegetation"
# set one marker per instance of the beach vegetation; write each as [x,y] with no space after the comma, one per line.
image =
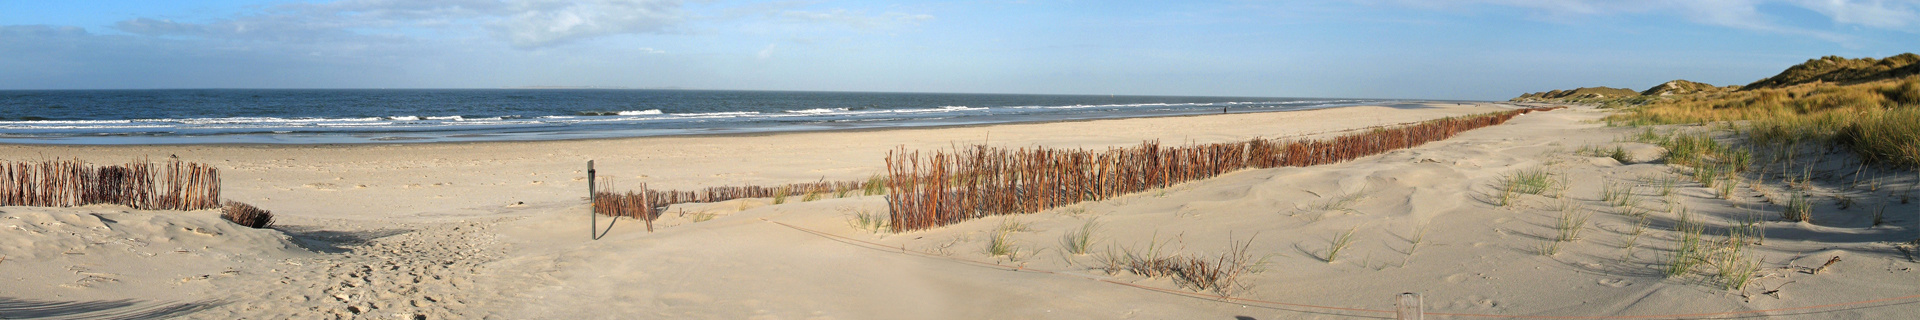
[1219,274]
[1341,202]
[1548,247]
[1567,228]
[701,216]
[1799,208]
[868,220]
[1339,242]
[1877,121]
[1620,154]
[1002,244]
[875,185]
[1687,252]
[1079,241]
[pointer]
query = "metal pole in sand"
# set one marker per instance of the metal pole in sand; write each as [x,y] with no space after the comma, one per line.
[592,204]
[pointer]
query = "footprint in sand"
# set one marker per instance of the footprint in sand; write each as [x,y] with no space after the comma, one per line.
[1616,283]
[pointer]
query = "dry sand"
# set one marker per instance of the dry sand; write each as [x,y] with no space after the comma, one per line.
[500,230]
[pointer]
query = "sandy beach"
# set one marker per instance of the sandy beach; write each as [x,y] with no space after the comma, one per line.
[499,230]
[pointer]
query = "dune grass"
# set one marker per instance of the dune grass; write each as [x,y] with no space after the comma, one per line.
[1078,242]
[1687,252]
[1878,121]
[1002,244]
[1568,227]
[1219,274]
[1526,181]
[1339,242]
[868,220]
[875,185]
[1342,202]
[1799,208]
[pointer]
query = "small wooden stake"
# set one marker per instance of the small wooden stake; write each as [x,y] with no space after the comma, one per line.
[1408,308]
[593,199]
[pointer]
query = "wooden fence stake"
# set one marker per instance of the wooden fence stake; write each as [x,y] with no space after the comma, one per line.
[593,205]
[1408,308]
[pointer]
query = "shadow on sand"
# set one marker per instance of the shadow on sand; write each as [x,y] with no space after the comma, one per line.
[334,241]
[11,308]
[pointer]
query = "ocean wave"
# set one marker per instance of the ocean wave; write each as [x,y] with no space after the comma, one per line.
[69,121]
[716,114]
[619,113]
[818,111]
[651,119]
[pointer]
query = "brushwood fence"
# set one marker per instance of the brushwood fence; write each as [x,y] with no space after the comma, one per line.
[175,185]
[939,188]
[644,203]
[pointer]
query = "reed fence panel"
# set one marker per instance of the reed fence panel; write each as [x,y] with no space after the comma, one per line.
[942,187]
[175,185]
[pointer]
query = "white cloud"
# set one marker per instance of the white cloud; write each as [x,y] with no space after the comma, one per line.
[525,24]
[651,51]
[766,52]
[1745,14]
[1881,14]
[521,23]
[857,20]
[540,23]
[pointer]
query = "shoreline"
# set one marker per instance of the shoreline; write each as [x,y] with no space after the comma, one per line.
[694,133]
[477,178]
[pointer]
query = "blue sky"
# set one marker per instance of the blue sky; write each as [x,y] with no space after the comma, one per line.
[1438,49]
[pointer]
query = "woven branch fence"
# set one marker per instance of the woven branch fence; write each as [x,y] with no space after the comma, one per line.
[939,188]
[646,203]
[143,185]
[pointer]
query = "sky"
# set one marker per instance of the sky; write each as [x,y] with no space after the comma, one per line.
[1413,49]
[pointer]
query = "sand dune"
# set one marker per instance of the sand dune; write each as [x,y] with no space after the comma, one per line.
[499,230]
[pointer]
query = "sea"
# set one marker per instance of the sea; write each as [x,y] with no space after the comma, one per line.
[345,116]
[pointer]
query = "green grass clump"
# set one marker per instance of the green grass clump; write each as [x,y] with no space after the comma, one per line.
[875,185]
[1687,252]
[780,196]
[1799,208]
[1002,244]
[1733,269]
[1340,242]
[1620,154]
[1568,227]
[1527,181]
[1667,183]
[1077,242]
[1891,137]
[1532,181]
[870,221]
[1619,195]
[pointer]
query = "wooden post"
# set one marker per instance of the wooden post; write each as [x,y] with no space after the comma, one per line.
[1408,308]
[593,204]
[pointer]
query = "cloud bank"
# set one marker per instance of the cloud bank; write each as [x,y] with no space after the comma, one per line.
[521,23]
[1901,15]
